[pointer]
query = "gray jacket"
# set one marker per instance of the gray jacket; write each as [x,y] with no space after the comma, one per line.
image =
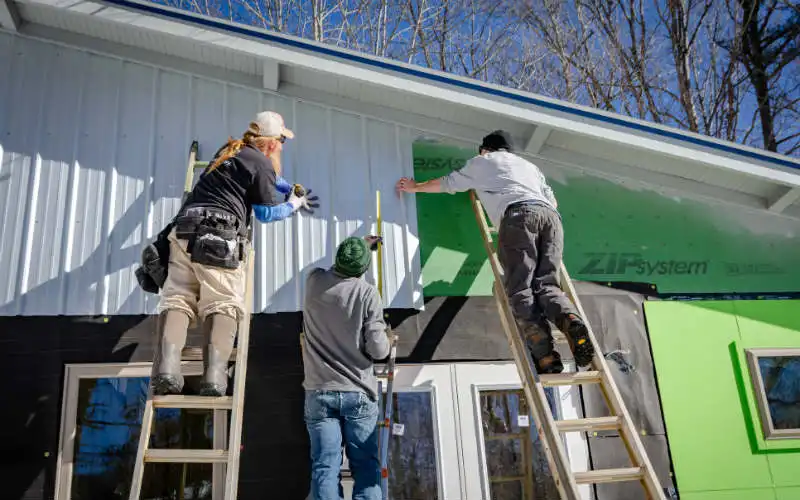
[344,332]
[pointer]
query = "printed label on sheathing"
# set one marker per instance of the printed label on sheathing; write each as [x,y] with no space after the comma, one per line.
[522,421]
[398,429]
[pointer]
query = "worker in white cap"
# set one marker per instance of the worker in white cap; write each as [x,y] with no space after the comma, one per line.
[205,277]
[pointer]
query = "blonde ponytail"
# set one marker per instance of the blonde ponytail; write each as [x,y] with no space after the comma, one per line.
[233,147]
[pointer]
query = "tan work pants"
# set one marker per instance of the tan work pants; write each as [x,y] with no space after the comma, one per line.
[200,290]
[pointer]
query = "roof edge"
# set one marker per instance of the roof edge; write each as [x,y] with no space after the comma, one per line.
[463,83]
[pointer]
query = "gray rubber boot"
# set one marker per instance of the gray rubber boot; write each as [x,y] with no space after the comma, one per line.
[172,327]
[219,331]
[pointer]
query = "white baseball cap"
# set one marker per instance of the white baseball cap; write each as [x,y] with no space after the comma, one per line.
[270,124]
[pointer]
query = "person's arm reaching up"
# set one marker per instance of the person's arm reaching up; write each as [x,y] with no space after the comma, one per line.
[376,342]
[456,181]
[265,213]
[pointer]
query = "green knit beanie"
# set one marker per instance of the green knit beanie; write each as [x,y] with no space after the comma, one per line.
[352,257]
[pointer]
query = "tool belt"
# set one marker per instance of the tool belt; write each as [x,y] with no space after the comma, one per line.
[216,238]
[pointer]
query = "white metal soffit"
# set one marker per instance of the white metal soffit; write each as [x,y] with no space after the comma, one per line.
[774,178]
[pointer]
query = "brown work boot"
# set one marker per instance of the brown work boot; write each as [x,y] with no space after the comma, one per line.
[539,339]
[578,338]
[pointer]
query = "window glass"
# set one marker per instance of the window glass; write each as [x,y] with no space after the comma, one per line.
[412,454]
[515,459]
[109,417]
[781,378]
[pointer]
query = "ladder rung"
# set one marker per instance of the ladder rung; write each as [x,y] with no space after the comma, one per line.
[609,475]
[193,402]
[186,456]
[196,354]
[575,378]
[589,424]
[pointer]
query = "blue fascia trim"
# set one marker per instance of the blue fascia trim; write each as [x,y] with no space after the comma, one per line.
[477,87]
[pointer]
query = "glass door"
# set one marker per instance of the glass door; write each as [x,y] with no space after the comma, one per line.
[423,446]
[503,457]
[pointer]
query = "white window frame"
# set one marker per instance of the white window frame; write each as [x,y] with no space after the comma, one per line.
[73,374]
[436,380]
[770,432]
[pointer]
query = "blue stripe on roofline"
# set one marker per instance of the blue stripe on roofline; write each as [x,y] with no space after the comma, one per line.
[476,86]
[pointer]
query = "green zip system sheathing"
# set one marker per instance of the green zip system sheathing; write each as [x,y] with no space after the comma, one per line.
[615,233]
[712,420]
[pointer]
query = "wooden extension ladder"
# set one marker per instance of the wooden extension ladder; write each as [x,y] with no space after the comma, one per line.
[533,384]
[225,459]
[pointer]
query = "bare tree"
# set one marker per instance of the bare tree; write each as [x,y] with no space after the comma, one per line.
[767,44]
[725,69]
[707,78]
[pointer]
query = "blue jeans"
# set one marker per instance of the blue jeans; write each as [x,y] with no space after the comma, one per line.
[334,418]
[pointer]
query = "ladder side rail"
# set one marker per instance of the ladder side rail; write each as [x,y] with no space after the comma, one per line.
[239,381]
[614,400]
[380,415]
[385,411]
[144,444]
[220,441]
[387,421]
[532,387]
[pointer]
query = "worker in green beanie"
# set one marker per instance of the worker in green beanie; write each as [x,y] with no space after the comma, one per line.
[353,257]
[344,334]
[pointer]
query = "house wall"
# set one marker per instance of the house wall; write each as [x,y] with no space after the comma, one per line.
[714,430]
[94,154]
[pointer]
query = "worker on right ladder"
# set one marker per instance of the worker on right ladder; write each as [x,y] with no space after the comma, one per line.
[522,206]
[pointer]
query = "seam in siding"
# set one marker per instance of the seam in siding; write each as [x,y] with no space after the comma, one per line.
[149,185]
[111,196]
[28,229]
[73,184]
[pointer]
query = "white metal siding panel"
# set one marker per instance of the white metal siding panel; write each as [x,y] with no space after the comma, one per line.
[131,173]
[26,95]
[94,153]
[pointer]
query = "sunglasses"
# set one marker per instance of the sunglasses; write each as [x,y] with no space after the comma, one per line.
[282,139]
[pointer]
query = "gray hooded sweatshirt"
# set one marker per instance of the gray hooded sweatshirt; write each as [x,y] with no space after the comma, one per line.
[344,332]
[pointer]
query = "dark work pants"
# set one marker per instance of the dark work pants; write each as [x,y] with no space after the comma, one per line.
[530,246]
